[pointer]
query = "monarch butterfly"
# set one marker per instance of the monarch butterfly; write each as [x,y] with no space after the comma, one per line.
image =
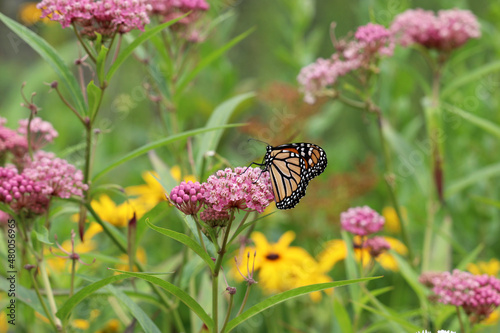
[291,167]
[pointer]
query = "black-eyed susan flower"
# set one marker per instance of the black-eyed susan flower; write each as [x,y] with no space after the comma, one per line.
[280,266]
[336,250]
[491,267]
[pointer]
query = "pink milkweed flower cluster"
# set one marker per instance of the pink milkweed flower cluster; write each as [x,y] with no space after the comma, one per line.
[246,189]
[59,178]
[377,245]
[105,17]
[42,132]
[478,295]
[171,9]
[241,188]
[188,197]
[11,142]
[361,221]
[446,31]
[370,42]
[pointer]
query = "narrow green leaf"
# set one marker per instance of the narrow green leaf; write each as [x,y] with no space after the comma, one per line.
[470,77]
[276,299]
[146,323]
[101,64]
[86,291]
[186,241]
[43,235]
[473,178]
[184,81]
[486,201]
[24,295]
[49,54]
[393,317]
[341,316]
[462,265]
[157,213]
[6,209]
[177,292]
[94,95]
[125,53]
[484,124]
[153,145]
[219,117]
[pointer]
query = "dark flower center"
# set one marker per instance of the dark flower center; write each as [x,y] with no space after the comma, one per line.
[273,256]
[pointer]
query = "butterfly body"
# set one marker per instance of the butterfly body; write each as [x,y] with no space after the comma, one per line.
[291,167]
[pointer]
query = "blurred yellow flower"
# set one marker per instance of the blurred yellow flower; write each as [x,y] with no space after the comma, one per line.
[112,326]
[29,14]
[392,223]
[491,267]
[140,255]
[58,264]
[280,266]
[150,193]
[80,324]
[3,322]
[336,250]
[492,319]
[118,215]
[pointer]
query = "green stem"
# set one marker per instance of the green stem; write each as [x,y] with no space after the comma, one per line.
[69,105]
[82,43]
[459,315]
[198,227]
[72,288]
[215,275]
[228,314]
[390,182]
[245,299]
[48,292]
[42,302]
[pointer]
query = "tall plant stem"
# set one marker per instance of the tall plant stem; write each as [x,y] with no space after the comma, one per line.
[215,275]
[389,178]
[42,302]
[49,293]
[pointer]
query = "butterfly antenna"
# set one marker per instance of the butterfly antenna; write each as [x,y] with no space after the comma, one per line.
[256,140]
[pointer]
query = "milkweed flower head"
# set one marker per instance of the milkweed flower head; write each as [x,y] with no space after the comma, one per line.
[215,218]
[11,141]
[105,17]
[361,221]
[362,52]
[21,193]
[247,189]
[41,132]
[188,197]
[59,178]
[446,31]
[171,9]
[478,295]
[377,245]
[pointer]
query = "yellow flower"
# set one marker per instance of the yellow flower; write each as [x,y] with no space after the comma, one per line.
[29,14]
[58,264]
[392,223]
[280,266]
[151,193]
[3,322]
[111,326]
[118,215]
[140,255]
[336,250]
[492,319]
[491,267]
[80,324]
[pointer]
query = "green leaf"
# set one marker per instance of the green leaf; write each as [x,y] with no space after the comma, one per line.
[157,213]
[153,145]
[6,209]
[462,265]
[484,124]
[24,295]
[219,117]
[101,64]
[276,299]
[473,178]
[470,77]
[86,291]
[341,316]
[207,60]
[94,94]
[486,201]
[186,241]
[49,54]
[177,292]
[125,53]
[393,317]
[146,323]
[43,235]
